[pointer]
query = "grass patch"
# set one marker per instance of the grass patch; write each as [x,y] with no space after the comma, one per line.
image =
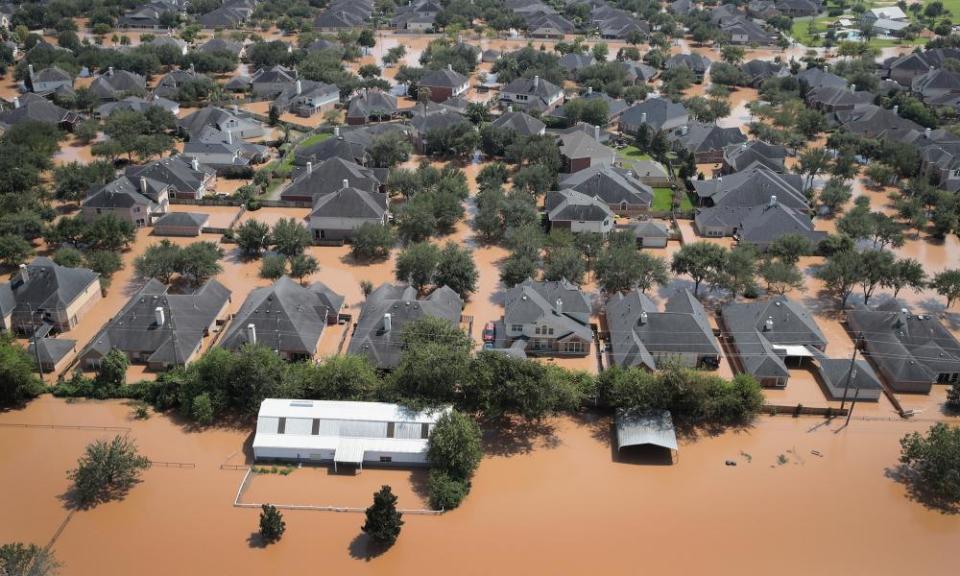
[663,201]
[314,139]
[632,153]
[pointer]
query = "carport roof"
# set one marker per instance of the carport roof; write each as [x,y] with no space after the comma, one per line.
[638,428]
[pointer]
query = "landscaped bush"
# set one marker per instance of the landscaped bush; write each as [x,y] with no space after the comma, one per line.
[446,492]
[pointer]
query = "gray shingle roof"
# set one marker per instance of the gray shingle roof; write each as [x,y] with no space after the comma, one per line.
[570,205]
[328,176]
[51,350]
[520,122]
[383,348]
[350,203]
[611,184]
[532,302]
[48,286]
[182,219]
[287,317]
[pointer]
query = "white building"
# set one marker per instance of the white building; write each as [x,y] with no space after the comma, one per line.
[343,432]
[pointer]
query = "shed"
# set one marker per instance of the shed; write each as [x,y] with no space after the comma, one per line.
[180,224]
[863,381]
[651,233]
[52,352]
[645,428]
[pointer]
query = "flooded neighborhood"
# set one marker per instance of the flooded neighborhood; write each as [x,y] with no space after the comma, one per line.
[495,286]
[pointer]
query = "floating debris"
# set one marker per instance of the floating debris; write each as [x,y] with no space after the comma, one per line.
[816,453]
[747,456]
[781,459]
[731,462]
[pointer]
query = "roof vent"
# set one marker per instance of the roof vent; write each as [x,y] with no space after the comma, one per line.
[251,333]
[768,324]
[387,322]
[643,317]
[159,316]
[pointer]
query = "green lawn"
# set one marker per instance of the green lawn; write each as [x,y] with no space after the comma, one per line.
[632,153]
[663,201]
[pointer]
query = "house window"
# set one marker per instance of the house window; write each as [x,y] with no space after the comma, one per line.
[386,459]
[521,96]
[550,331]
[516,328]
[574,346]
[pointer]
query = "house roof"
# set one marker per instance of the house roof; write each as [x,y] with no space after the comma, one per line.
[741,156]
[182,220]
[577,144]
[372,103]
[570,205]
[186,318]
[700,137]
[286,316]
[171,171]
[532,302]
[695,62]
[382,347]
[350,202]
[645,427]
[443,78]
[48,286]
[658,112]
[328,176]
[820,78]
[119,193]
[520,122]
[611,184]
[639,332]
[756,327]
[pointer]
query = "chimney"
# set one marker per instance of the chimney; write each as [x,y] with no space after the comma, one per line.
[853,87]
[536,82]
[236,109]
[229,137]
[596,133]
[719,180]
[110,71]
[24,274]
[589,89]
[16,102]
[336,131]
[309,167]
[773,200]
[143,184]
[346,183]
[768,324]
[195,164]
[743,147]
[927,133]
[510,108]
[30,69]
[299,87]
[387,322]
[643,317]
[251,334]
[450,67]
[159,316]
[896,109]
[559,306]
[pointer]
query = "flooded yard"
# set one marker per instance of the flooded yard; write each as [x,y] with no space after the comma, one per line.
[549,497]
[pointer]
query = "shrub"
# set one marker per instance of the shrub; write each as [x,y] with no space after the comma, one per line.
[201,409]
[454,446]
[272,525]
[446,492]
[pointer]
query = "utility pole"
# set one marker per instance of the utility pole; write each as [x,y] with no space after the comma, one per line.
[856,393]
[853,360]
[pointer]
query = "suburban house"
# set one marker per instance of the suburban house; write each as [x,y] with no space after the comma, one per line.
[658,114]
[32,108]
[912,352]
[903,69]
[573,62]
[46,296]
[579,151]
[349,143]
[116,84]
[230,14]
[444,83]
[268,83]
[136,104]
[306,98]
[136,203]
[553,318]
[520,123]
[839,381]
[694,62]
[151,15]
[344,14]
[387,310]
[619,188]
[871,121]
[814,78]
[641,335]
[936,84]
[742,30]
[424,122]
[740,157]
[180,224]
[337,215]
[766,335]
[759,70]
[170,84]
[328,177]
[223,157]
[179,176]
[706,141]
[47,80]
[286,317]
[578,212]
[161,329]
[213,124]
[834,98]
[53,354]
[531,94]
[752,186]
[345,433]
[371,106]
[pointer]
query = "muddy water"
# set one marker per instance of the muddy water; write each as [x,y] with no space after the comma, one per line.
[592,514]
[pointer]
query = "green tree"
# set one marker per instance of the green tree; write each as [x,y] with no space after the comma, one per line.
[417,264]
[272,525]
[835,194]
[781,275]
[69,257]
[739,270]
[456,269]
[104,263]
[517,268]
[390,149]
[383,519]
[201,410]
[107,232]
[790,248]
[273,267]
[159,261]
[113,368]
[416,221]
[434,363]
[454,446]
[698,261]
[253,237]
[200,261]
[840,274]
[905,273]
[812,162]
[302,266]
[932,464]
[18,559]
[947,284]
[18,383]
[371,242]
[107,471]
[290,237]
[14,250]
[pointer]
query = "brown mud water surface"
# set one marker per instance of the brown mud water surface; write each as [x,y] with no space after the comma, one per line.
[548,498]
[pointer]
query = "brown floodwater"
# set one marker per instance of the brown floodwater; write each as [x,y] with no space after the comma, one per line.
[549,498]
